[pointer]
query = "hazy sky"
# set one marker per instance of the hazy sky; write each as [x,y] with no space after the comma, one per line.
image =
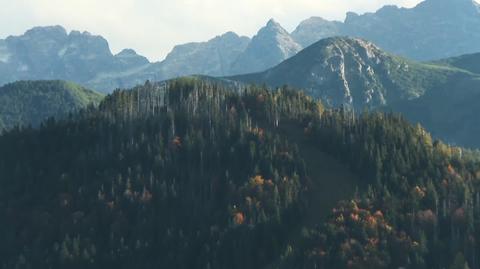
[153,27]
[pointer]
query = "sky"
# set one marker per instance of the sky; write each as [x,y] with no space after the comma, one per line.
[153,27]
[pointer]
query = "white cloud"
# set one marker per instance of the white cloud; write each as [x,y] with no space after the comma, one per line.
[153,27]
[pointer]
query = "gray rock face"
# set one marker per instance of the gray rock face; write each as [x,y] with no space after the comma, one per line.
[269,47]
[434,29]
[313,29]
[130,58]
[212,58]
[355,73]
[51,53]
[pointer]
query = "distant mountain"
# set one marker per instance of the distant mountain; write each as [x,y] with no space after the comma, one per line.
[129,58]
[212,58]
[470,62]
[355,73]
[313,29]
[269,47]
[434,29]
[50,53]
[26,103]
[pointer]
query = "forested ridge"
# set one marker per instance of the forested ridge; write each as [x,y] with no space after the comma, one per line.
[25,103]
[190,174]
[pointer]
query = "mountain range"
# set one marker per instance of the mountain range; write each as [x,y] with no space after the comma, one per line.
[355,73]
[432,30]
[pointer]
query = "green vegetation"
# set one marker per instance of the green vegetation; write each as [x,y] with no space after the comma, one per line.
[355,73]
[27,103]
[469,62]
[192,174]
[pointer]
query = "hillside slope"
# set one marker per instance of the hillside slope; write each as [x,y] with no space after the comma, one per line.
[469,62]
[190,174]
[27,103]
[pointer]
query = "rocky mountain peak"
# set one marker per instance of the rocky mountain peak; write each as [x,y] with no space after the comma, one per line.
[274,34]
[46,31]
[127,53]
[341,71]
[272,23]
[273,27]
[356,46]
[313,29]
[270,46]
[449,6]
[130,58]
[312,21]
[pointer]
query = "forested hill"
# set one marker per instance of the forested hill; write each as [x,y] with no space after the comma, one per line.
[26,103]
[188,174]
[344,71]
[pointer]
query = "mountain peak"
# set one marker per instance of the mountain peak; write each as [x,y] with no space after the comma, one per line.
[272,28]
[313,29]
[450,5]
[55,30]
[230,34]
[127,52]
[270,46]
[359,47]
[272,23]
[313,20]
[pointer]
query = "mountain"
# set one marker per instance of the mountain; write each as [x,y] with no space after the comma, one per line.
[212,58]
[28,103]
[314,29]
[434,29]
[44,53]
[355,73]
[269,47]
[52,53]
[449,112]
[129,58]
[469,62]
[189,174]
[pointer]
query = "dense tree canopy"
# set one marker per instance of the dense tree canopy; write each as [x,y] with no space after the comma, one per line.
[194,174]
[24,103]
